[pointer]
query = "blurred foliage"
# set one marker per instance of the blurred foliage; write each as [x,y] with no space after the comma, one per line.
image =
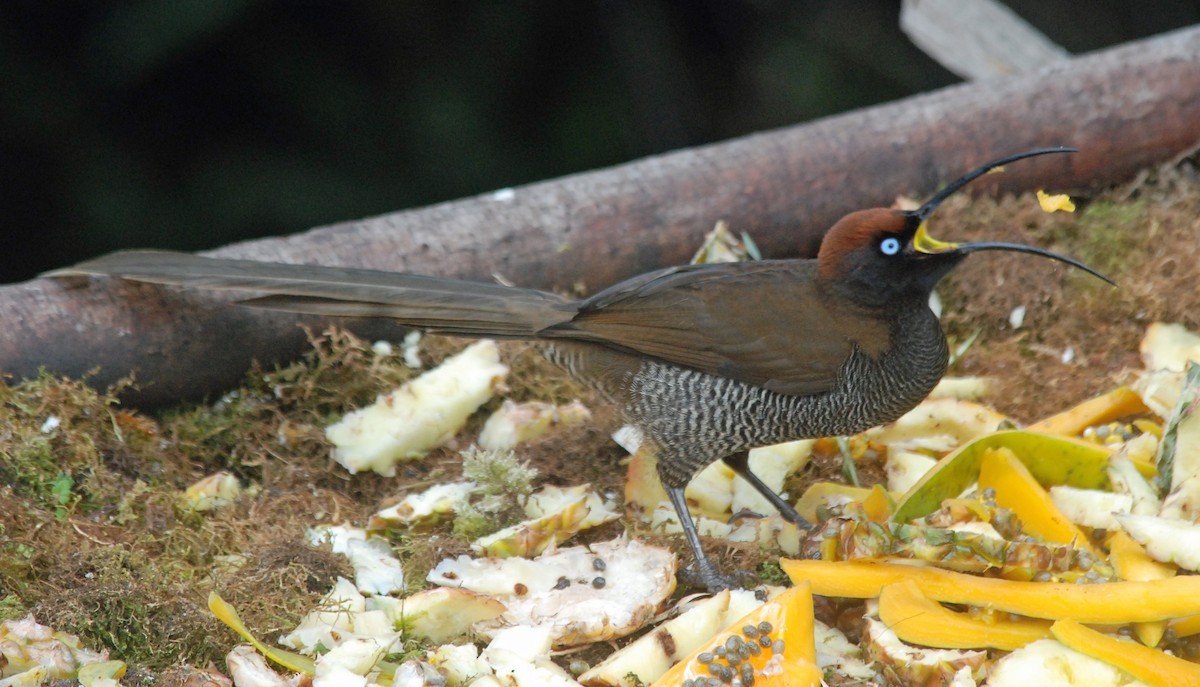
[191,124]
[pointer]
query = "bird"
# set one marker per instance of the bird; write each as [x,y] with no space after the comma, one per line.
[708,361]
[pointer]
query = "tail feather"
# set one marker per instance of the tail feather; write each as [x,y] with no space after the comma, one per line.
[450,306]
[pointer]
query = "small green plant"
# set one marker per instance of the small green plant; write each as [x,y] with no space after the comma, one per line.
[502,481]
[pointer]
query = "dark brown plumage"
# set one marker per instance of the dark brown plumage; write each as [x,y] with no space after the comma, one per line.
[708,361]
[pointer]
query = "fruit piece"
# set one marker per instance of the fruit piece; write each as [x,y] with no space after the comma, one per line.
[247,667]
[583,594]
[1118,403]
[532,537]
[1055,202]
[965,546]
[1151,666]
[653,654]
[827,495]
[556,514]
[917,619]
[331,621]
[775,641]
[420,507]
[1133,563]
[420,415]
[1179,452]
[716,492]
[1090,507]
[1186,626]
[1159,390]
[907,665]
[1126,479]
[962,388]
[1102,604]
[1169,347]
[877,506]
[442,613]
[519,655]
[376,568]
[1018,491]
[839,658]
[643,490]
[1050,458]
[214,491]
[354,656]
[940,424]
[1166,539]
[516,423]
[906,468]
[1048,662]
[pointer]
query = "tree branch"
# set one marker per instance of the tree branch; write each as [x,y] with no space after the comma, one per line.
[1124,108]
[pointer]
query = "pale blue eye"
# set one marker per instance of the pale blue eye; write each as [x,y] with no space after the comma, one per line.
[890,246]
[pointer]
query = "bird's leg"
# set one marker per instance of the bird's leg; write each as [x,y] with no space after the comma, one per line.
[740,463]
[709,575]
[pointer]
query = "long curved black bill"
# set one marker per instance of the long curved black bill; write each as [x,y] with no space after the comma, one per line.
[930,205]
[922,242]
[1022,248]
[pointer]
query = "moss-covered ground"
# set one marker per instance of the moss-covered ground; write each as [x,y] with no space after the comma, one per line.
[95,539]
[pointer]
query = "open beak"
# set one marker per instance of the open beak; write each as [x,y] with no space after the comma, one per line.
[922,242]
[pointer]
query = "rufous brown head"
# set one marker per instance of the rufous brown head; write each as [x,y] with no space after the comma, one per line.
[882,253]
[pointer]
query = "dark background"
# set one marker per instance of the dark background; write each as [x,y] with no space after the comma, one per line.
[193,123]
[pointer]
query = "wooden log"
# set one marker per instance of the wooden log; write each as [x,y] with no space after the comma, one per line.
[1125,108]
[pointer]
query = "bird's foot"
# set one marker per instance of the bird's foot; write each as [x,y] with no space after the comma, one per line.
[707,576]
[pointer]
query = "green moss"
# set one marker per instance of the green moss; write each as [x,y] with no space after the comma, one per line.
[769,572]
[11,608]
[135,605]
[55,435]
[1107,235]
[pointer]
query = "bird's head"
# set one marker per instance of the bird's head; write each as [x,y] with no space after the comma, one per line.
[882,253]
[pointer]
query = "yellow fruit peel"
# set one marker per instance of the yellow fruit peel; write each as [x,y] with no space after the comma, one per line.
[1111,603]
[917,619]
[1151,666]
[1018,490]
[1114,405]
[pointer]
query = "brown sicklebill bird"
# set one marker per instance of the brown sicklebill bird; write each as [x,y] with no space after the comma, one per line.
[708,361]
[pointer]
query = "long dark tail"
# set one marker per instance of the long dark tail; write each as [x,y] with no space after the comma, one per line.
[437,304]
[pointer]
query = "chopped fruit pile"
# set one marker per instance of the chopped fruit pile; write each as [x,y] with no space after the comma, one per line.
[981,558]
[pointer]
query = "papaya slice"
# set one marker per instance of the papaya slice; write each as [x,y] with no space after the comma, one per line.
[1111,603]
[1018,490]
[917,619]
[772,646]
[1114,405]
[1149,665]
